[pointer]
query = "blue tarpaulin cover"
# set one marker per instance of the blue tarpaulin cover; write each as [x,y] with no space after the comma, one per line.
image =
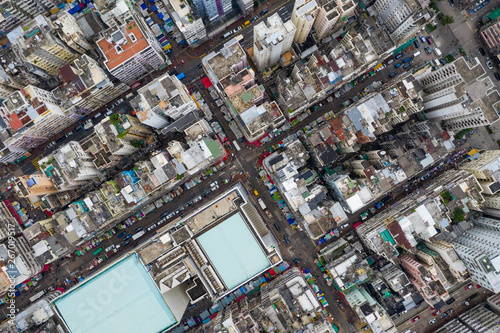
[143,6]
[153,8]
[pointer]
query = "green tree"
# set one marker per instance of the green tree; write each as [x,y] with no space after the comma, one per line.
[446,19]
[458,214]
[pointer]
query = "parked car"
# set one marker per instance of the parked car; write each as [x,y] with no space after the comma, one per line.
[285,238]
[428,50]
[429,40]
[407,65]
[399,55]
[277,226]
[450,300]
[442,61]
[345,225]
[432,321]
[497,76]
[436,313]
[139,229]
[69,134]
[264,12]
[255,18]
[422,39]
[122,234]
[397,65]
[200,65]
[127,237]
[390,61]
[489,65]
[393,74]
[125,243]
[151,227]
[481,50]
[415,319]
[416,43]
[470,285]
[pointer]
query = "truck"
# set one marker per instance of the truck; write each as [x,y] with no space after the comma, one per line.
[138,235]
[180,76]
[261,203]
[37,296]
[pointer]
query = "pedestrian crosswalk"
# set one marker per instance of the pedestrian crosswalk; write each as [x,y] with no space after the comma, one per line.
[360,325]
[35,163]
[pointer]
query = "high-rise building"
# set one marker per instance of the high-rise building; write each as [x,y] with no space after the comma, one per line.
[188,22]
[41,48]
[246,6]
[329,13]
[479,248]
[303,17]
[130,50]
[34,115]
[86,86]
[456,95]
[491,36]
[10,17]
[165,97]
[398,17]
[69,31]
[69,167]
[213,10]
[271,39]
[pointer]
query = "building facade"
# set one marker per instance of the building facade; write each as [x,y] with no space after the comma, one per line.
[303,17]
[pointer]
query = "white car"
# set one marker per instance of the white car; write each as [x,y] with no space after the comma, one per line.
[432,321]
[343,226]
[489,65]
[238,28]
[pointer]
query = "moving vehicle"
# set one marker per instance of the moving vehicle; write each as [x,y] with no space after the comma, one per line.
[481,50]
[415,319]
[470,285]
[138,235]
[245,24]
[236,145]
[264,12]
[227,34]
[261,204]
[489,65]
[238,28]
[122,234]
[256,193]
[97,115]
[432,321]
[139,229]
[450,300]
[277,226]
[127,237]
[151,227]
[497,76]
[345,225]
[255,18]
[393,74]
[126,243]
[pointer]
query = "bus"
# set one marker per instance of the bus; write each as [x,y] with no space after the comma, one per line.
[236,145]
[96,252]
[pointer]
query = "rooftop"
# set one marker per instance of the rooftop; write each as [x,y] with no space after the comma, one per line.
[120,44]
[124,299]
[223,62]
[233,251]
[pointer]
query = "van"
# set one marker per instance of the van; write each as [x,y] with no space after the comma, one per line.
[227,34]
[416,54]
[438,64]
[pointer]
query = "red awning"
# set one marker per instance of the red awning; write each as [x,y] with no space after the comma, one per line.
[13,212]
[206,82]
